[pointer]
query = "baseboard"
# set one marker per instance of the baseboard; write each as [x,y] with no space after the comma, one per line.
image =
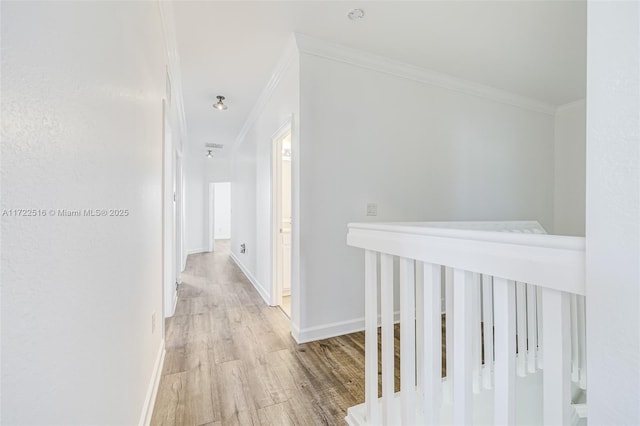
[152,391]
[327,331]
[295,332]
[256,284]
[198,250]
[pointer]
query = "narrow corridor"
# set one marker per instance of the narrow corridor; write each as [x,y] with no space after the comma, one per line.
[231,360]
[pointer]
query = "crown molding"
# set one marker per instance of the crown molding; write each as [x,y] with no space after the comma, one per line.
[570,105]
[277,74]
[359,58]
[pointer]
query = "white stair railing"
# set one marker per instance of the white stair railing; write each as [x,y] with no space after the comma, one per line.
[513,304]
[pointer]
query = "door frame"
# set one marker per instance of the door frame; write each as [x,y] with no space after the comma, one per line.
[180,258]
[169,287]
[276,206]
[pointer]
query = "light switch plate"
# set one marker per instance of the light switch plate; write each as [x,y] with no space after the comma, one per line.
[372,209]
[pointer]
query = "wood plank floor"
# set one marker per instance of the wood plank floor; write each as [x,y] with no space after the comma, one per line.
[231,360]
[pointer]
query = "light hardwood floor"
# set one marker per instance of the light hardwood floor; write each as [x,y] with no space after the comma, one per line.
[231,360]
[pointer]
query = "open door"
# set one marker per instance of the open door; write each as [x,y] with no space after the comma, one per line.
[282,219]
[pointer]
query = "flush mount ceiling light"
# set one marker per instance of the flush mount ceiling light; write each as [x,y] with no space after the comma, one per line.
[355,14]
[209,153]
[220,105]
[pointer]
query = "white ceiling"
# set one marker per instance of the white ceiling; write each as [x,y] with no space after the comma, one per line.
[532,48]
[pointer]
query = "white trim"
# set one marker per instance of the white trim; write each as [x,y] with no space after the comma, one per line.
[198,250]
[334,329]
[348,55]
[550,261]
[175,302]
[265,95]
[295,332]
[152,390]
[284,128]
[252,279]
[570,105]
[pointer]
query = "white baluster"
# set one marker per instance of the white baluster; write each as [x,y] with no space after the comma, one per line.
[449,343]
[388,353]
[407,342]
[462,359]
[432,341]
[476,343]
[371,337]
[532,335]
[556,307]
[505,365]
[582,341]
[521,324]
[420,313]
[539,318]
[575,356]
[487,317]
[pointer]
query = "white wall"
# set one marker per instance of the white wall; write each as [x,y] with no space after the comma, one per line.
[217,169]
[570,165]
[420,152]
[613,212]
[250,186]
[82,85]
[222,211]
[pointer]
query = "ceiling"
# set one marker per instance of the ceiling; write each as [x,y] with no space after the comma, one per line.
[532,48]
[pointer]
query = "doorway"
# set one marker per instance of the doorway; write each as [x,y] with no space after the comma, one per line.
[281,202]
[219,213]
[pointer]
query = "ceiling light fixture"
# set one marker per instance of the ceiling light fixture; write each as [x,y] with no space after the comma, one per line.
[220,105]
[209,153]
[355,14]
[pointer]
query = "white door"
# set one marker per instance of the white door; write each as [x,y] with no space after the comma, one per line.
[282,220]
[285,222]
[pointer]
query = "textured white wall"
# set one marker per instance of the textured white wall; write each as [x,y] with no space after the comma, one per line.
[82,85]
[421,153]
[570,164]
[613,212]
[251,184]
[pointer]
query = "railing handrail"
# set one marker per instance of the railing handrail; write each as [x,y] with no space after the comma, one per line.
[551,261]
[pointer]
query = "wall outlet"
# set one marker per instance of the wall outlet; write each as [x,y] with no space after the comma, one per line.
[243,248]
[372,209]
[153,322]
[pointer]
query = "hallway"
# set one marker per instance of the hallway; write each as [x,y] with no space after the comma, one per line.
[231,360]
